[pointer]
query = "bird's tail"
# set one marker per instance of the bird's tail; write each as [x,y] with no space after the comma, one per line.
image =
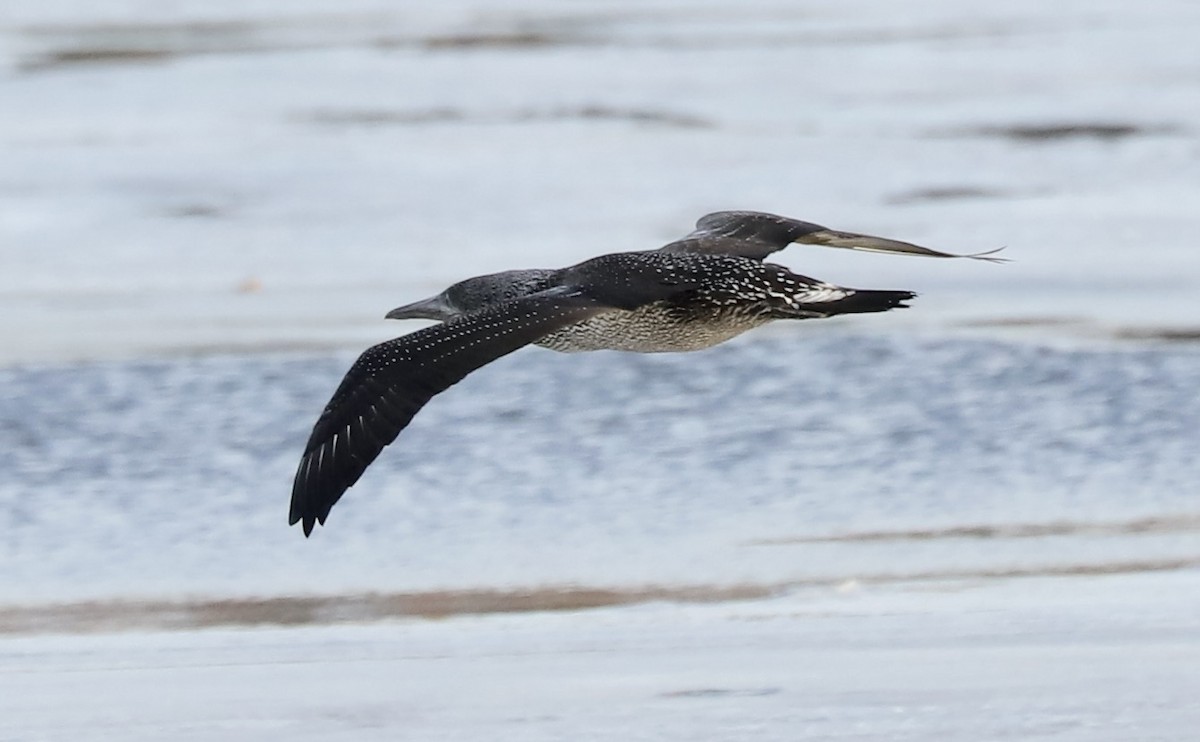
[860,301]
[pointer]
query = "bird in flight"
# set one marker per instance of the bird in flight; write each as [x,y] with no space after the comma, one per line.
[693,293]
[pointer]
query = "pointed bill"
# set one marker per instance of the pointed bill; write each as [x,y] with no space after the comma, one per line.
[852,241]
[435,307]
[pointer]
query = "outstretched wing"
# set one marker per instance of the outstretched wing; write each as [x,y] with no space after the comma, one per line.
[753,234]
[392,381]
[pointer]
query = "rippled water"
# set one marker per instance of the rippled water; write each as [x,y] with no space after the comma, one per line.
[792,454]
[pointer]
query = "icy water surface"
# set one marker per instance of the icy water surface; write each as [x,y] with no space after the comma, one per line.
[1103,660]
[242,174]
[797,454]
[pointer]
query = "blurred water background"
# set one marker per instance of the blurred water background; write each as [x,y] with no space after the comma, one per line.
[978,518]
[205,211]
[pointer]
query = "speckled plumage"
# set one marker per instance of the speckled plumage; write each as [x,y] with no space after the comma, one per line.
[693,293]
[736,294]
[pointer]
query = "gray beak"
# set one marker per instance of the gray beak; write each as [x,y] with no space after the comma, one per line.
[852,241]
[435,307]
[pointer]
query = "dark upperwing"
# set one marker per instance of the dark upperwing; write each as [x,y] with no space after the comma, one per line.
[392,381]
[754,234]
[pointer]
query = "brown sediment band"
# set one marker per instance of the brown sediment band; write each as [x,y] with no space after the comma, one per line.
[184,614]
[1154,525]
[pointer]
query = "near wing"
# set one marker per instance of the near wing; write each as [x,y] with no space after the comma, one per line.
[392,381]
[753,234]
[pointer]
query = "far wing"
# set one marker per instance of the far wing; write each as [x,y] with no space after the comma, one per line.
[754,234]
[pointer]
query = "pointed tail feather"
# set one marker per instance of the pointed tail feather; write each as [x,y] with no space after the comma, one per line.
[861,301]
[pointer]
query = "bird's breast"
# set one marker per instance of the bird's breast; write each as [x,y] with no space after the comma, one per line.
[661,327]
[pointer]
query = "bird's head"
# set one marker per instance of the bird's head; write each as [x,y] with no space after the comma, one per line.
[475,293]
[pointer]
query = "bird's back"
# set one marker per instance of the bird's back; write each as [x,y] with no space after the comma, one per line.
[733,294]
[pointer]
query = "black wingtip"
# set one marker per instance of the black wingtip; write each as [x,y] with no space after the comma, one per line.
[295,516]
[987,255]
